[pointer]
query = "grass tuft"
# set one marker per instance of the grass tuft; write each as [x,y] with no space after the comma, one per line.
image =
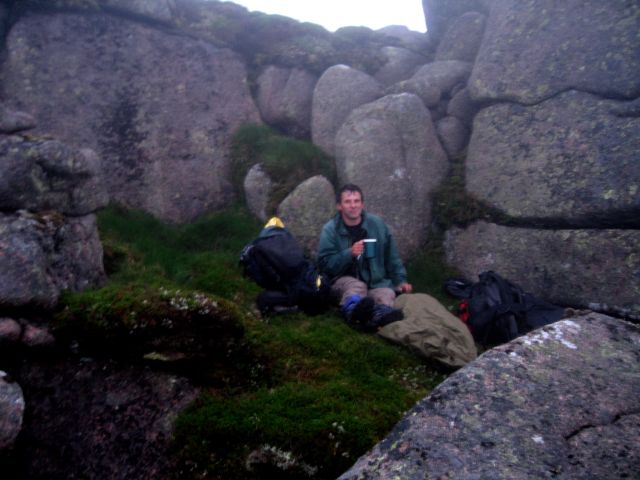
[288,162]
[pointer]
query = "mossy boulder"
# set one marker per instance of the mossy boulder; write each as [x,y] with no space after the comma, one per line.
[156,323]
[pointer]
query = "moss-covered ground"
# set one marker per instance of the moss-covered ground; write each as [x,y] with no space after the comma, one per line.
[315,394]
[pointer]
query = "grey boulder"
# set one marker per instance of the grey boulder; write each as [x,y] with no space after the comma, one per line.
[339,90]
[560,402]
[390,149]
[305,210]
[157,108]
[43,254]
[49,175]
[463,38]
[534,50]
[573,157]
[257,191]
[11,412]
[284,98]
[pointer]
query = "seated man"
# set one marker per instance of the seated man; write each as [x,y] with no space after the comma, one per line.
[366,285]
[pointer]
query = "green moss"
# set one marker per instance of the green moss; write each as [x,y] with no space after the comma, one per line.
[288,162]
[454,206]
[335,393]
[310,391]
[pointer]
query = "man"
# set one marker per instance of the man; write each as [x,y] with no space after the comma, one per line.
[366,287]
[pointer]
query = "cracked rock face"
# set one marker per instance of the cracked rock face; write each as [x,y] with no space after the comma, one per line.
[560,402]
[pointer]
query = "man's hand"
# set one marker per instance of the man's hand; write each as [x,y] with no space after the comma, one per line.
[357,248]
[405,288]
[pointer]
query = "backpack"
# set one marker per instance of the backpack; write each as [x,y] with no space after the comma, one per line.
[276,262]
[499,310]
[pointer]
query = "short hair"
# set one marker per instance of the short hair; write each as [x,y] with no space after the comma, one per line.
[349,187]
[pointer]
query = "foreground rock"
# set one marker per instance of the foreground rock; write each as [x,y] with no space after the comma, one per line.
[11,412]
[96,419]
[561,402]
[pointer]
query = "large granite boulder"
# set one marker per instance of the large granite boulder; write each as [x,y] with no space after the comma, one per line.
[534,50]
[45,253]
[441,14]
[434,80]
[401,64]
[12,121]
[463,107]
[257,188]
[284,99]
[390,149]
[462,39]
[157,108]
[41,175]
[561,402]
[573,157]
[415,41]
[568,267]
[305,210]
[160,10]
[453,135]
[11,412]
[339,90]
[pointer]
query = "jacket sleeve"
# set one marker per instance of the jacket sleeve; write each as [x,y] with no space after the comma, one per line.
[394,266]
[333,258]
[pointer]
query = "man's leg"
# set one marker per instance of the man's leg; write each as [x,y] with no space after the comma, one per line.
[345,287]
[385,296]
[383,312]
[355,305]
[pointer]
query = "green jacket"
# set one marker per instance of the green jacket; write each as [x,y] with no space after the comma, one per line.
[334,253]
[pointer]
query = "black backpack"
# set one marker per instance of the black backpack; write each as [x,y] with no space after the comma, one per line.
[276,262]
[499,310]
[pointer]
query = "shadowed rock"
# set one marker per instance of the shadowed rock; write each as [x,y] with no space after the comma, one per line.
[463,107]
[49,175]
[43,254]
[11,412]
[567,267]
[12,121]
[97,419]
[560,402]
[452,134]
[284,99]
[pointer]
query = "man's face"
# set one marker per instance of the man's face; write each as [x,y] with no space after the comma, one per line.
[350,207]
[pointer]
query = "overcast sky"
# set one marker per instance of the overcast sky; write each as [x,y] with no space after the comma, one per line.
[333,14]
